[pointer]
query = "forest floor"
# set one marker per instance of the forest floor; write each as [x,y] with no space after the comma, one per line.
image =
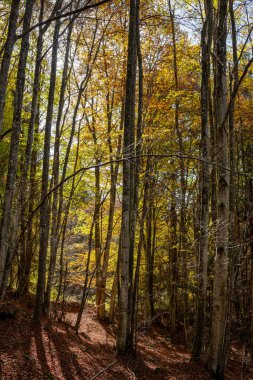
[53,351]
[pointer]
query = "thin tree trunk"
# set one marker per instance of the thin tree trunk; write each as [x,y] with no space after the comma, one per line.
[217,359]
[232,252]
[14,145]
[8,48]
[85,286]
[182,219]
[148,202]
[249,234]
[204,186]
[113,297]
[44,210]
[56,163]
[97,235]
[10,252]
[137,178]
[125,267]
[101,302]
[173,252]
[24,258]
[136,149]
[114,169]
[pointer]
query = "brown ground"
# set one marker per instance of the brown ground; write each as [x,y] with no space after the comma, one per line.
[53,351]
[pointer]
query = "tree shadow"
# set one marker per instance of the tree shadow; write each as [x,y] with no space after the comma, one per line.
[38,332]
[69,347]
[54,350]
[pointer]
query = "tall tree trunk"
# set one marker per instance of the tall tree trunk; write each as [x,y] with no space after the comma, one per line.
[44,210]
[56,163]
[249,234]
[14,145]
[213,127]
[11,249]
[31,238]
[24,200]
[97,235]
[114,176]
[138,162]
[114,169]
[233,254]
[86,280]
[126,262]
[8,48]
[113,297]
[217,359]
[204,186]
[148,201]
[182,219]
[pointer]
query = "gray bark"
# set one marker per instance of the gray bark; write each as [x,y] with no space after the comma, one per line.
[182,218]
[204,186]
[125,261]
[8,48]
[217,359]
[14,145]
[44,210]
[56,163]
[113,176]
[25,258]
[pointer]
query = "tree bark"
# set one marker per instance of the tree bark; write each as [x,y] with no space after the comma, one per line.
[217,359]
[182,218]
[26,257]
[14,145]
[126,262]
[233,253]
[138,162]
[86,280]
[8,48]
[114,176]
[56,163]
[173,252]
[44,210]
[204,186]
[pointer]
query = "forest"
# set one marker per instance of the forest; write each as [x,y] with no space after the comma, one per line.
[126,189]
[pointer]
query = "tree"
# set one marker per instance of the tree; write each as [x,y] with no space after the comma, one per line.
[44,210]
[204,183]
[217,359]
[125,258]
[6,248]
[6,60]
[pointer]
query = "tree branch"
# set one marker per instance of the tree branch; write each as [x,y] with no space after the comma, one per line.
[2,136]
[103,370]
[57,17]
[130,158]
[235,91]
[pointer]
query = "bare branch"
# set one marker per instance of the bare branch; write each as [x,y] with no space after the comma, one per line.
[57,17]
